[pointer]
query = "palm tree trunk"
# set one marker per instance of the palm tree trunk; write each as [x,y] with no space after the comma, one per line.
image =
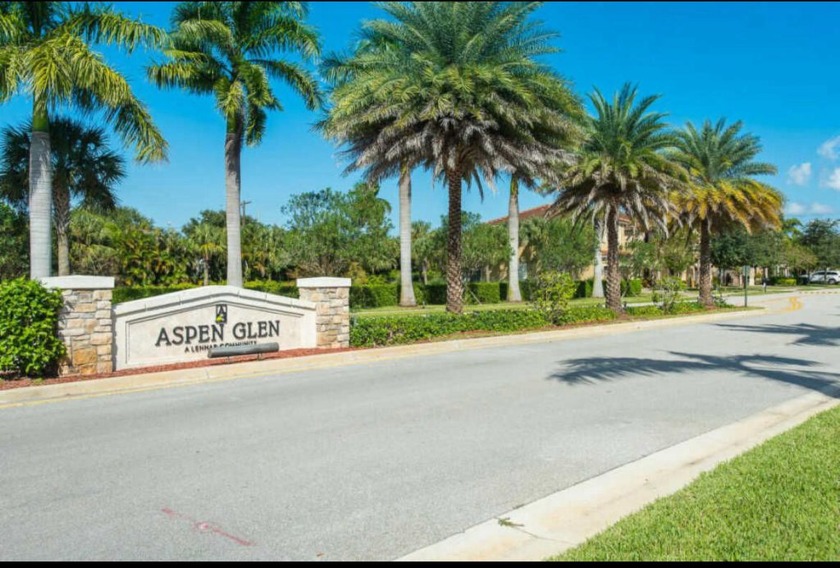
[598,277]
[513,292]
[233,155]
[706,265]
[61,208]
[613,269]
[454,284]
[206,271]
[40,195]
[406,285]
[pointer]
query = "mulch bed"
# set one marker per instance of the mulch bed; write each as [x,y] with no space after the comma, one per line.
[9,382]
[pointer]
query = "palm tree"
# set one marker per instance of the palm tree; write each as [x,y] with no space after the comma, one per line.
[622,169]
[45,52]
[457,90]
[723,192]
[228,49]
[82,165]
[207,241]
[342,69]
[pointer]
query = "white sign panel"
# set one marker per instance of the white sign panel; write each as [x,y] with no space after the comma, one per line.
[186,326]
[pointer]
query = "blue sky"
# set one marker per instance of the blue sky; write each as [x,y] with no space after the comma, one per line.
[771,65]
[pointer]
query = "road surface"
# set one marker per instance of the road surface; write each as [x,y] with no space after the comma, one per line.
[373,461]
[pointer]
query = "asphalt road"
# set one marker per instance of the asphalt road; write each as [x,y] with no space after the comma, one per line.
[374,461]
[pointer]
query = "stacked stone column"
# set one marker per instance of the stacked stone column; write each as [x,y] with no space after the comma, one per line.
[332,313]
[85,324]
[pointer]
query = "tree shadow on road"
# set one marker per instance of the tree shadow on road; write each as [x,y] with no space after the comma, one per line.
[592,370]
[809,334]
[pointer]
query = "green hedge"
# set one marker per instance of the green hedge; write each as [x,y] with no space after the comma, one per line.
[29,342]
[484,293]
[126,294]
[288,289]
[374,296]
[383,295]
[129,293]
[378,331]
[398,330]
[782,281]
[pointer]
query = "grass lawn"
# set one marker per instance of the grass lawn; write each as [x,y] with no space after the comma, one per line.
[779,501]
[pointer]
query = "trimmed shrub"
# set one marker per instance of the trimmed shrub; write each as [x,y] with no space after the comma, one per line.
[583,314]
[584,289]
[435,294]
[374,296]
[29,343]
[782,281]
[288,289]
[483,293]
[373,331]
[129,293]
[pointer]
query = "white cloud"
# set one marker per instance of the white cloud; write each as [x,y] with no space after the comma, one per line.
[799,175]
[833,180]
[829,148]
[821,209]
[794,209]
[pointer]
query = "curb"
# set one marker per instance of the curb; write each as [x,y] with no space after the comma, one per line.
[252,369]
[568,518]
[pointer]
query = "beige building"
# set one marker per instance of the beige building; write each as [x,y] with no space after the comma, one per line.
[626,233]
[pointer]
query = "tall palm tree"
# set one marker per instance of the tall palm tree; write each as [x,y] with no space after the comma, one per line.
[723,192]
[622,169]
[459,91]
[341,69]
[45,52]
[514,294]
[82,165]
[229,50]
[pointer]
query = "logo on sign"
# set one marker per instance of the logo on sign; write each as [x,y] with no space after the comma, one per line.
[221,313]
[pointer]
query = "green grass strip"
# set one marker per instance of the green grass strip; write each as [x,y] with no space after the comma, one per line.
[777,502]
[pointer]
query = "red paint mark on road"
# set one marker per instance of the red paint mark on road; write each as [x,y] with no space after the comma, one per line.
[204,526]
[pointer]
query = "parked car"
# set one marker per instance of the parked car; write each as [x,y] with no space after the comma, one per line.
[825,277]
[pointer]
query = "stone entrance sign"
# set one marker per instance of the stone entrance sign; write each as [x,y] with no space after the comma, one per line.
[187,325]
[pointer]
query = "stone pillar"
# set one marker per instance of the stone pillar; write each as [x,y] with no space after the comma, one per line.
[332,314]
[85,324]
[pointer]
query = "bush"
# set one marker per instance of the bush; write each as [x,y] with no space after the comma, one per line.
[374,296]
[782,281]
[29,343]
[551,295]
[435,294]
[483,293]
[666,294]
[583,314]
[129,293]
[373,331]
[631,288]
[584,288]
[288,289]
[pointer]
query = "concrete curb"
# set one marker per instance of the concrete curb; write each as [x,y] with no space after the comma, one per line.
[252,369]
[567,518]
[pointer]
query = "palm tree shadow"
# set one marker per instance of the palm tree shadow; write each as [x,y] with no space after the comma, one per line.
[810,334]
[592,370]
